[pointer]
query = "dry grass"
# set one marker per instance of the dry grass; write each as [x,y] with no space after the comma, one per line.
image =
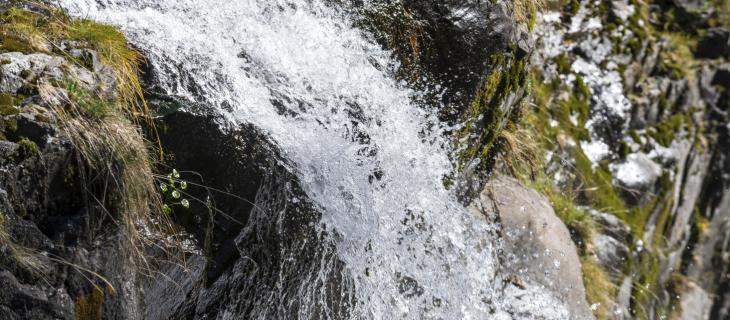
[599,288]
[518,153]
[24,256]
[118,171]
[114,158]
[525,11]
[27,31]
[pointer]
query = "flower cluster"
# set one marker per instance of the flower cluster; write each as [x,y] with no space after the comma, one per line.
[172,191]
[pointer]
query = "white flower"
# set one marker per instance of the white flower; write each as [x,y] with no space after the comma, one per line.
[183,185]
[175,174]
[185,203]
[163,186]
[176,194]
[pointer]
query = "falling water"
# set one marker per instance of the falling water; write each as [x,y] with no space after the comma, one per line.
[299,71]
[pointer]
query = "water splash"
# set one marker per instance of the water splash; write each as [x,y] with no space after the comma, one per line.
[298,70]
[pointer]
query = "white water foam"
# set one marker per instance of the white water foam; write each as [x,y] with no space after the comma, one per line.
[299,71]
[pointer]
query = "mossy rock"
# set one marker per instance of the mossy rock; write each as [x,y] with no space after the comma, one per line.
[30,148]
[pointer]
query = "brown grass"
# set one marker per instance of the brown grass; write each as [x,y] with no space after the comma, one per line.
[525,11]
[118,171]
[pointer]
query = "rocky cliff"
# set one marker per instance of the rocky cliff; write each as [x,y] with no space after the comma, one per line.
[631,113]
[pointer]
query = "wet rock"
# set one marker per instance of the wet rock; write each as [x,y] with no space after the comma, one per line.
[21,301]
[537,245]
[612,226]
[456,40]
[622,310]
[262,230]
[609,244]
[695,303]
[715,44]
[8,151]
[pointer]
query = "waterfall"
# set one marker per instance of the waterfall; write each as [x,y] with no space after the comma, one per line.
[371,160]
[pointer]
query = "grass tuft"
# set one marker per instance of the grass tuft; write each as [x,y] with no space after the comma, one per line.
[114,159]
[27,31]
[525,11]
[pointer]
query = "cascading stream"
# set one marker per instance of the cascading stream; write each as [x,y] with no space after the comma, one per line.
[300,72]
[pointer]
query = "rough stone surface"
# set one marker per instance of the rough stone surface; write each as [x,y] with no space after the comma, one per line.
[537,245]
[51,256]
[262,231]
[695,303]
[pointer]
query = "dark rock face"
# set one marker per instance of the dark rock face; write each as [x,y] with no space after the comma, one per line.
[715,44]
[463,34]
[448,44]
[261,239]
[53,238]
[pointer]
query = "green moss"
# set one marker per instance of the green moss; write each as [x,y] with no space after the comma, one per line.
[599,289]
[664,132]
[11,126]
[88,103]
[485,116]
[8,110]
[677,59]
[647,276]
[563,63]
[8,103]
[29,147]
[598,189]
[634,136]
[533,19]
[721,14]
[20,31]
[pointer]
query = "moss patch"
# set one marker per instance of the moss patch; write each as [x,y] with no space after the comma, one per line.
[30,148]
[600,291]
[487,112]
[28,31]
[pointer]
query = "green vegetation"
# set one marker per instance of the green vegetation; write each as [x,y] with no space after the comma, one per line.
[556,122]
[27,31]
[721,15]
[525,11]
[89,104]
[173,190]
[665,132]
[114,159]
[600,291]
[677,59]
[29,147]
[489,111]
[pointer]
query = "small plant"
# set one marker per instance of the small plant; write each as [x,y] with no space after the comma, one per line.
[172,191]
[88,103]
[29,147]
